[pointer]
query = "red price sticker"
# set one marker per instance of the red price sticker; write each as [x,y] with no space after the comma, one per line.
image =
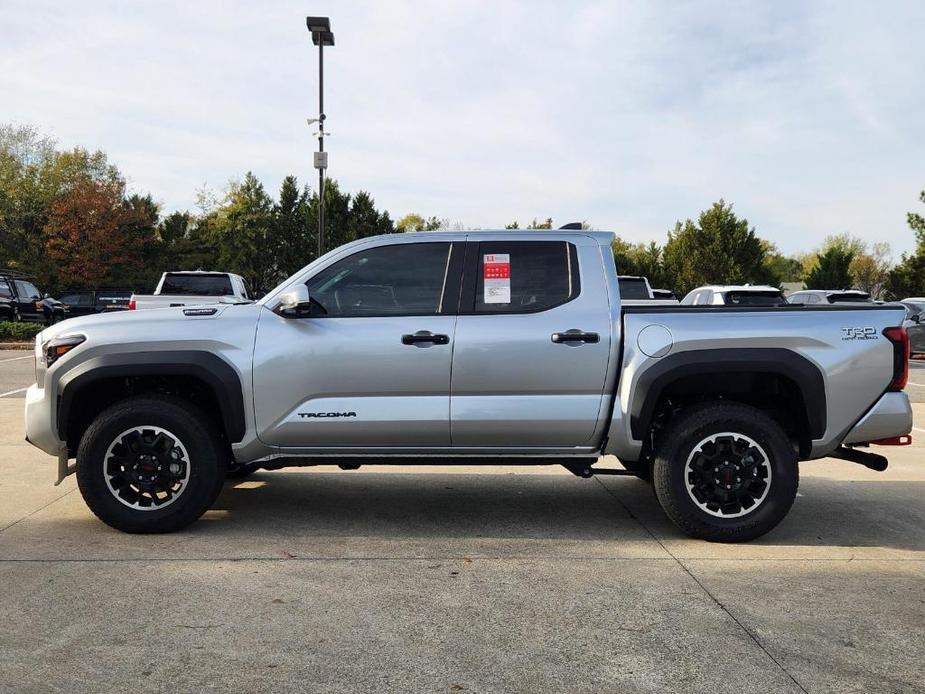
[496,275]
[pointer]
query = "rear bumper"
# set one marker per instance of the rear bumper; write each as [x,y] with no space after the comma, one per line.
[889,418]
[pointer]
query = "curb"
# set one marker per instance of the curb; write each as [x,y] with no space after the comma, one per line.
[18,345]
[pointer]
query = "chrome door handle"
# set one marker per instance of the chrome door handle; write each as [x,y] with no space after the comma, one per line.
[575,335]
[423,336]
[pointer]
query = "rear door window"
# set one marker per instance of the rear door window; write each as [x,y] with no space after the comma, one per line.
[524,276]
[5,291]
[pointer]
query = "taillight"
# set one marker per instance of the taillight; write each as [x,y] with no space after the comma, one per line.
[900,339]
[132,305]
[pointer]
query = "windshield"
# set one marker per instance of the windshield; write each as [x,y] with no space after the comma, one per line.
[633,288]
[755,298]
[201,285]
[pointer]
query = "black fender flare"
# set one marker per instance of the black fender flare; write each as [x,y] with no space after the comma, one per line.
[218,374]
[783,362]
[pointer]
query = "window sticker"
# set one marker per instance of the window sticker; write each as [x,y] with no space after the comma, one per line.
[496,274]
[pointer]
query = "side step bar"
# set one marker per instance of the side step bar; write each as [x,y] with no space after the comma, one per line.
[874,461]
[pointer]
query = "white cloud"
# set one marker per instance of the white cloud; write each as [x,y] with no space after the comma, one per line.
[630,115]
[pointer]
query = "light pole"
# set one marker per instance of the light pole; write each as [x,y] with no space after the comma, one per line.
[320,27]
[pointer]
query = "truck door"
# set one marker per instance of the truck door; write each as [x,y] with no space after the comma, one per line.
[370,365]
[532,344]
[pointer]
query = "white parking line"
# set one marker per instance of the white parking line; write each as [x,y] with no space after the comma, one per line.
[910,383]
[917,429]
[13,392]
[3,361]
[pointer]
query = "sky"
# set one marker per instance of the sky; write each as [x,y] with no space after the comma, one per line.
[808,116]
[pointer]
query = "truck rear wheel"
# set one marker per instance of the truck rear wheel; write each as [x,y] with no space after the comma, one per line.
[150,464]
[725,472]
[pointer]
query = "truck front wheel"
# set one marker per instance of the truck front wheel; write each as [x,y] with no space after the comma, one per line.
[725,472]
[150,464]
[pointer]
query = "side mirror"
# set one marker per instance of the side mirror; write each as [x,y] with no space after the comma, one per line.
[295,303]
[916,318]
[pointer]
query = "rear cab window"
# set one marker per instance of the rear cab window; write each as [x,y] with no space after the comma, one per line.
[196,284]
[633,288]
[522,276]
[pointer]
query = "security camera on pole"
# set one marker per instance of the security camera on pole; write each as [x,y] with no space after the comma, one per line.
[320,27]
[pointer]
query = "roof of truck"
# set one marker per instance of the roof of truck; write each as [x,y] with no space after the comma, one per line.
[605,238]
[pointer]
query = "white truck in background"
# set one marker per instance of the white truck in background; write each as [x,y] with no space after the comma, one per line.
[636,291]
[192,288]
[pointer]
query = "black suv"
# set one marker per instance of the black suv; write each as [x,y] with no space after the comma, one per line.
[20,299]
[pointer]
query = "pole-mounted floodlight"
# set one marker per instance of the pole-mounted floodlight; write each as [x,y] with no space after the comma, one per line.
[320,28]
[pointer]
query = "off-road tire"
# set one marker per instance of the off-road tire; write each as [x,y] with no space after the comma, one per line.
[678,441]
[190,426]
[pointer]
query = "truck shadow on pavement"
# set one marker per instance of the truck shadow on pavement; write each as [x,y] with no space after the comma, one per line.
[828,512]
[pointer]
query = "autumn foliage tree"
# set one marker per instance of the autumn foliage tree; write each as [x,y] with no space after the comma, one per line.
[91,235]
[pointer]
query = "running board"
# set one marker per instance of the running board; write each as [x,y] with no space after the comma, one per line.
[873,461]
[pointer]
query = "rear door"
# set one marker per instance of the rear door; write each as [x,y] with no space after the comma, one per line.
[532,344]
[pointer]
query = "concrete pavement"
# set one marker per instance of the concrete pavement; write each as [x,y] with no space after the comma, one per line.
[461,579]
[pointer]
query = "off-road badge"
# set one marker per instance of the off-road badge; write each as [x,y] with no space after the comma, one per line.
[868,333]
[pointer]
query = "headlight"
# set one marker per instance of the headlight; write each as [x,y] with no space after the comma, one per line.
[59,346]
[50,351]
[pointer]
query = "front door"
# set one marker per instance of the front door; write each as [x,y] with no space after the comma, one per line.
[370,365]
[532,345]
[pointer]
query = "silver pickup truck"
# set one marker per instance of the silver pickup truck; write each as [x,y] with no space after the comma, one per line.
[468,348]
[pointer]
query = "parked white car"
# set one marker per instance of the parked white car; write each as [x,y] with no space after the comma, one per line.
[734,295]
[189,288]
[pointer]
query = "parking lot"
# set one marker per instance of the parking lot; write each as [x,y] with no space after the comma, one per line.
[395,579]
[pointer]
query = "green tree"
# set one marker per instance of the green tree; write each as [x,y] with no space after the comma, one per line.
[540,225]
[140,227]
[719,248]
[832,270]
[785,268]
[365,219]
[336,215]
[243,228]
[641,260]
[33,175]
[295,232]
[410,222]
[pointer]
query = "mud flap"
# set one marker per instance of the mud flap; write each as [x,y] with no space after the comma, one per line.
[63,468]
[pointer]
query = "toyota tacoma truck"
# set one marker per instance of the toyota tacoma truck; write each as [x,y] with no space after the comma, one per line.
[469,348]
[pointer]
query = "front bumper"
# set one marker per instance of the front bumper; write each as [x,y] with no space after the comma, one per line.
[890,417]
[40,421]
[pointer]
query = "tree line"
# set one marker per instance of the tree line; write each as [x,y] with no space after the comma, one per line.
[68,217]
[720,247]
